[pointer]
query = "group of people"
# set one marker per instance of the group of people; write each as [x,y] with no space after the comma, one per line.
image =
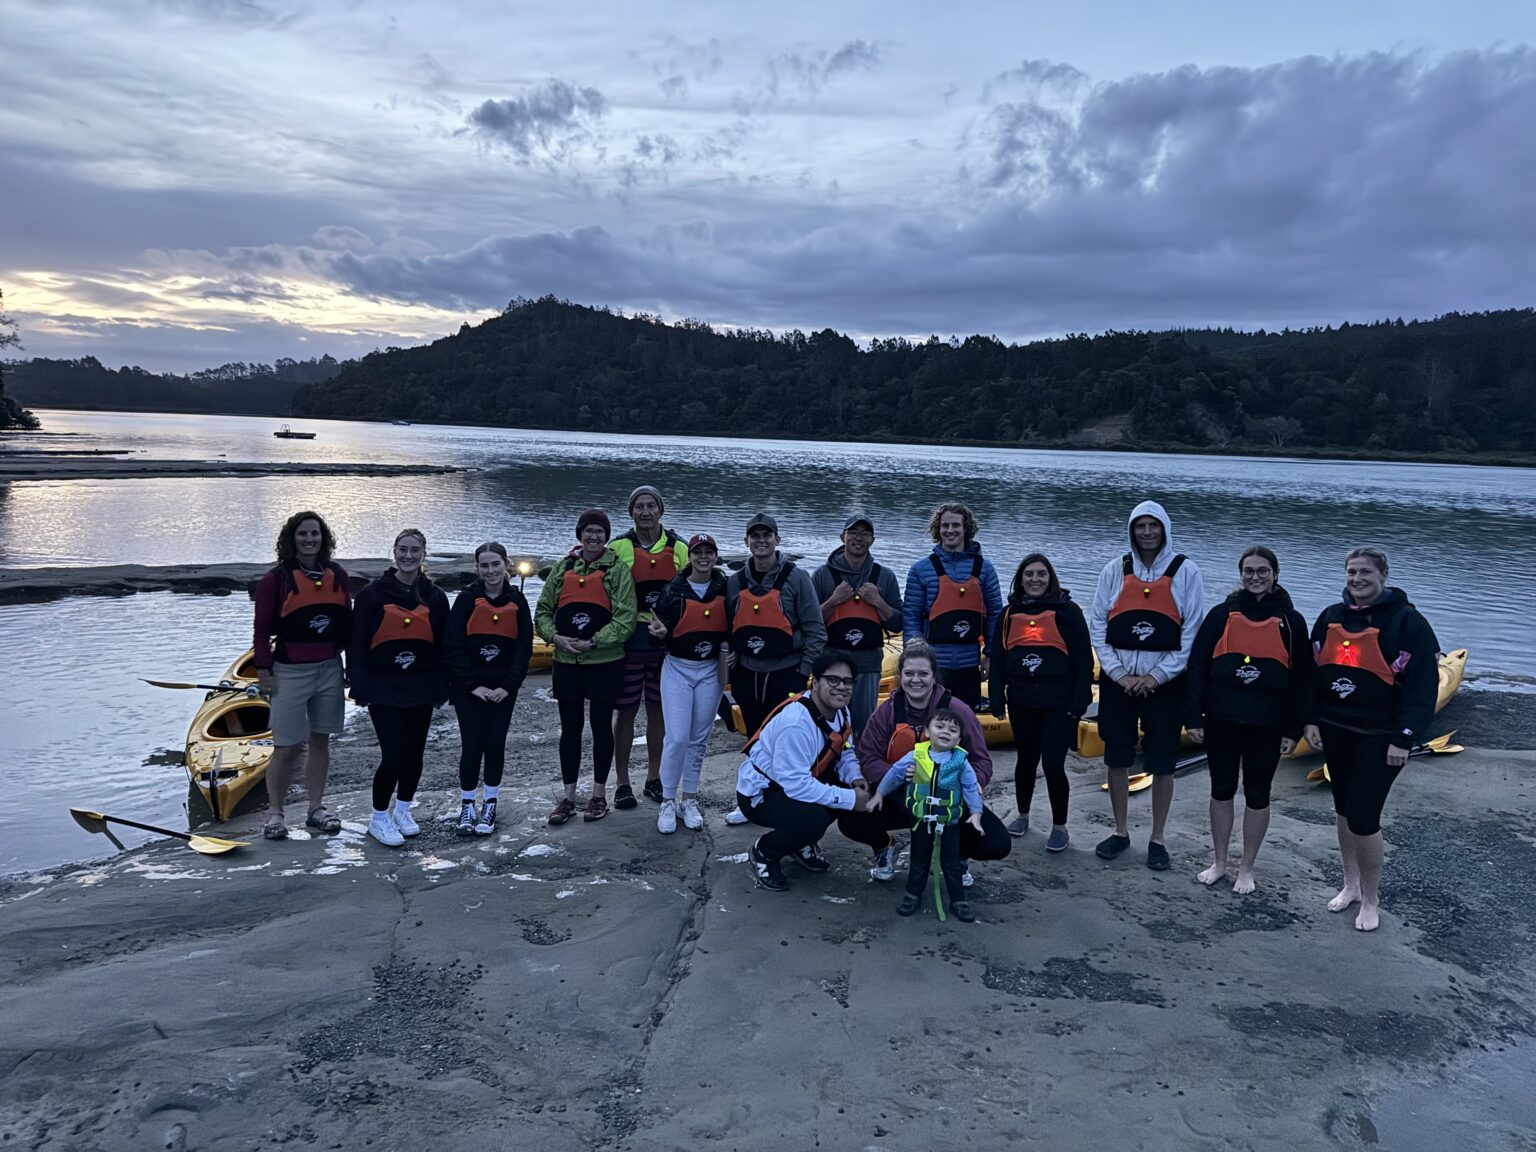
[652,619]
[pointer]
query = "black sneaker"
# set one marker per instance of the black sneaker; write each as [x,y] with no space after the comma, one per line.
[466,824]
[909,905]
[624,798]
[486,824]
[766,872]
[962,911]
[652,791]
[811,860]
[1111,846]
[1157,856]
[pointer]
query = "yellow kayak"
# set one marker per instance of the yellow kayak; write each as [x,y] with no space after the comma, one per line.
[228,746]
[1453,666]
[887,679]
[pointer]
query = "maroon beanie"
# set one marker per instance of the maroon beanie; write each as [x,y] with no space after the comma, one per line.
[594,516]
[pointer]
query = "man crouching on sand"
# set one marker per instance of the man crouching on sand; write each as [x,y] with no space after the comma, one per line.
[788,782]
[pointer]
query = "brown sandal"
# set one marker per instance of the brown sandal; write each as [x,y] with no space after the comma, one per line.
[274,829]
[563,811]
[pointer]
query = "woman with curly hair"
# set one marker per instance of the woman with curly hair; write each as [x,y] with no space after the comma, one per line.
[952,600]
[303,618]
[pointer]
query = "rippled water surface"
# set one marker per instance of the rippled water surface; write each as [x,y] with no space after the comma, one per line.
[1460,539]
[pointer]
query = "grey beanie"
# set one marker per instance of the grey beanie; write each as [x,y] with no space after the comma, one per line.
[643,490]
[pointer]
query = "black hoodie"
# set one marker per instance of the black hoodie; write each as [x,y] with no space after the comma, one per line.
[487,665]
[1263,693]
[1408,644]
[397,683]
[1051,683]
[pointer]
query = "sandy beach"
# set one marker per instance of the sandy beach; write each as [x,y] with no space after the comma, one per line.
[603,986]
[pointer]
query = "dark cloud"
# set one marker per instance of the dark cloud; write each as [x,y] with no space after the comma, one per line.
[552,118]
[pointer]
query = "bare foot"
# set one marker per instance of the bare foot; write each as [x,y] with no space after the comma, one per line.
[1212,874]
[1369,918]
[1244,883]
[1344,899]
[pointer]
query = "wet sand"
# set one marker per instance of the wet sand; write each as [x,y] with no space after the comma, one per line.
[602,986]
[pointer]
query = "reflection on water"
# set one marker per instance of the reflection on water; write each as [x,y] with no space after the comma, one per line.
[81,729]
[1459,536]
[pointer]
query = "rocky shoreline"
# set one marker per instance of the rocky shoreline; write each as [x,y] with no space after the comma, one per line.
[603,986]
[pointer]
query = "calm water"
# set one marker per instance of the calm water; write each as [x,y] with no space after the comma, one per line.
[1460,540]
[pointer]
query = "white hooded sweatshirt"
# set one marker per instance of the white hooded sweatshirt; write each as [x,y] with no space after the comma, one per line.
[1188,593]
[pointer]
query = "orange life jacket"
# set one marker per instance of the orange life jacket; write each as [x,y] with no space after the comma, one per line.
[833,740]
[1352,673]
[1033,644]
[854,625]
[403,644]
[1252,654]
[583,608]
[760,628]
[653,571]
[701,629]
[904,736]
[958,612]
[314,611]
[1145,617]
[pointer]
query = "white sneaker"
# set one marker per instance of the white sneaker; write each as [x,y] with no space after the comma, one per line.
[885,864]
[383,829]
[692,817]
[666,819]
[736,816]
[405,821]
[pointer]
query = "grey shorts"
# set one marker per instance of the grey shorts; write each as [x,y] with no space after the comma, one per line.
[306,698]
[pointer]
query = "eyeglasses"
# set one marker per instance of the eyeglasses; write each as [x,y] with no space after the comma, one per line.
[837,681]
[1257,573]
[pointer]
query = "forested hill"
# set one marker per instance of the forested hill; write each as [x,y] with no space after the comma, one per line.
[234,389]
[1457,384]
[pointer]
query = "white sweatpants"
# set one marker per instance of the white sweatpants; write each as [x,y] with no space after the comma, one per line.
[690,697]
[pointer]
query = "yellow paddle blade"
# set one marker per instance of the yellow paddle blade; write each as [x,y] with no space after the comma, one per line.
[1317,775]
[90,821]
[214,845]
[1140,782]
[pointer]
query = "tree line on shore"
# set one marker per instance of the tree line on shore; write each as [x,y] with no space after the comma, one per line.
[1460,385]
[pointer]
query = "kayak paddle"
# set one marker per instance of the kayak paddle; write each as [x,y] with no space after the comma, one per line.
[206,845]
[1140,782]
[222,686]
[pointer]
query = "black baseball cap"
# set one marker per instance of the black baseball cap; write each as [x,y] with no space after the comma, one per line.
[763,520]
[859,518]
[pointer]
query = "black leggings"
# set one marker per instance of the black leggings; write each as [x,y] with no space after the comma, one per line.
[1042,736]
[482,736]
[757,693]
[792,824]
[1361,776]
[402,735]
[921,862]
[874,829]
[963,684]
[581,690]
[1253,748]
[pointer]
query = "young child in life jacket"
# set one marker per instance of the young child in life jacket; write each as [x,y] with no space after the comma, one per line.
[941,788]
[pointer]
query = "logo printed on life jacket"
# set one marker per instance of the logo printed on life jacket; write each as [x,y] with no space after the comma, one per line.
[489,652]
[1247,673]
[1142,630]
[580,621]
[855,637]
[1343,686]
[1033,661]
[962,627]
[652,597]
[319,624]
[405,659]
[701,649]
[755,644]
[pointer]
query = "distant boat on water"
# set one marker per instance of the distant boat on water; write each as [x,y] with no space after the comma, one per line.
[401,423]
[287,433]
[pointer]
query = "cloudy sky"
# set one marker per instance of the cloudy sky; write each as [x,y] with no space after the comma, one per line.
[187,182]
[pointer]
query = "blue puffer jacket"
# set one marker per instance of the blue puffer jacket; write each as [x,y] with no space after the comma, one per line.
[923,587]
